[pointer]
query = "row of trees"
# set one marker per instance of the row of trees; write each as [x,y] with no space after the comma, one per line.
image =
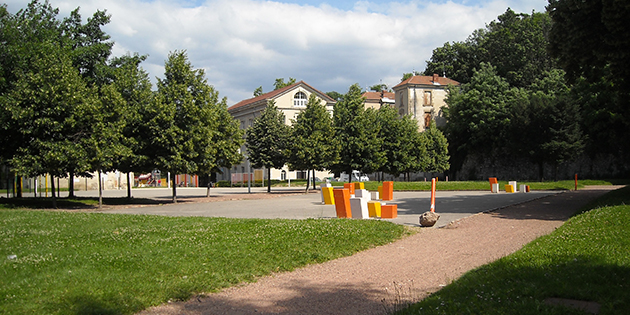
[70,109]
[354,138]
[539,86]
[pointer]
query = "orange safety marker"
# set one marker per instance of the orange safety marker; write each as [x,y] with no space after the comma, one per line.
[342,203]
[576,181]
[388,191]
[389,211]
[433,181]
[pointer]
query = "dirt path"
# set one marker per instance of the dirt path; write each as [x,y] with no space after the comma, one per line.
[369,282]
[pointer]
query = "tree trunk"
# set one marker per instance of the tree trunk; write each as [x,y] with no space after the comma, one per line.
[128,185]
[18,186]
[308,179]
[174,184]
[100,190]
[54,199]
[268,179]
[71,185]
[314,180]
[209,184]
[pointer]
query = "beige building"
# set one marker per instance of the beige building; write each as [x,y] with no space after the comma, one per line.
[291,100]
[376,99]
[423,98]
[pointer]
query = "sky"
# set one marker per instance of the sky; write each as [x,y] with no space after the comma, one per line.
[244,44]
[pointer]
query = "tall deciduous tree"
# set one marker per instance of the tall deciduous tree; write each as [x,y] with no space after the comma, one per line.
[47,108]
[184,121]
[280,83]
[357,131]
[312,143]
[437,158]
[403,146]
[267,140]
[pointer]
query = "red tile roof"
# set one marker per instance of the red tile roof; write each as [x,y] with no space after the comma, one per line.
[428,80]
[275,93]
[376,96]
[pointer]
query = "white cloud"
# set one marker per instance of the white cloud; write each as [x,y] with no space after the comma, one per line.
[243,44]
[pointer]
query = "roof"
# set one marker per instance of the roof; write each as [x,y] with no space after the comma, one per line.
[275,93]
[376,96]
[427,80]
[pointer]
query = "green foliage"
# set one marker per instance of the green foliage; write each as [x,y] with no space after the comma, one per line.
[267,139]
[335,95]
[184,124]
[312,143]
[357,131]
[437,150]
[258,91]
[591,42]
[74,263]
[585,259]
[405,149]
[280,83]
[378,87]
[515,45]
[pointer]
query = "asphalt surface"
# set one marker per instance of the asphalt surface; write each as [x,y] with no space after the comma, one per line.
[451,205]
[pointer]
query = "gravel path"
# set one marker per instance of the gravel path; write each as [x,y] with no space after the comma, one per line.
[374,281]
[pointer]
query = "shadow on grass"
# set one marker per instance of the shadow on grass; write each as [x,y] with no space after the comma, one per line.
[97,305]
[516,286]
[76,203]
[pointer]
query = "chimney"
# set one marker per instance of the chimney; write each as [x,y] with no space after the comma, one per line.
[435,77]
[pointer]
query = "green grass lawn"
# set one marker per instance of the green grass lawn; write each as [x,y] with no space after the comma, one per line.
[587,259]
[89,263]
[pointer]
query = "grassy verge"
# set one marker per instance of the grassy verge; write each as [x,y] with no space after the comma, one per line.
[586,259]
[87,263]
[71,203]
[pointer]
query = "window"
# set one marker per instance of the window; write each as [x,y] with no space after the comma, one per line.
[427,120]
[299,100]
[427,98]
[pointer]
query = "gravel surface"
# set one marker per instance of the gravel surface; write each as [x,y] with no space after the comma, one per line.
[378,280]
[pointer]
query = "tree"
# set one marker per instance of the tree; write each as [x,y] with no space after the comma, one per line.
[378,87]
[280,83]
[312,143]
[335,95]
[47,107]
[356,130]
[437,150]
[402,144]
[134,86]
[478,114]
[267,140]
[183,123]
[591,41]
[258,91]
[515,45]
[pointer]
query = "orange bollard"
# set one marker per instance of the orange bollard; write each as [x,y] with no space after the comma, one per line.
[433,181]
[342,203]
[349,187]
[493,180]
[388,191]
[575,181]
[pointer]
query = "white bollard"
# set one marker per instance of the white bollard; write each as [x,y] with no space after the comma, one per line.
[522,188]
[513,183]
[359,208]
[495,188]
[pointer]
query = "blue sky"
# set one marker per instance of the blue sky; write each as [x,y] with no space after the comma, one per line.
[244,44]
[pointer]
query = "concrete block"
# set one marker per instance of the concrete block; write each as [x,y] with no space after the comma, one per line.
[389,211]
[495,188]
[522,188]
[359,208]
[363,193]
[328,195]
[374,209]
[388,191]
[509,188]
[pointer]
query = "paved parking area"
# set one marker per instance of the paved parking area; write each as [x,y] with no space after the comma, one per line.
[451,205]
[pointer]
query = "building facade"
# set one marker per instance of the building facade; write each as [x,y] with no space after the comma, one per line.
[423,98]
[291,101]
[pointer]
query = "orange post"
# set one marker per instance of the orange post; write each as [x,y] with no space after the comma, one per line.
[433,181]
[388,191]
[493,180]
[342,203]
[349,187]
